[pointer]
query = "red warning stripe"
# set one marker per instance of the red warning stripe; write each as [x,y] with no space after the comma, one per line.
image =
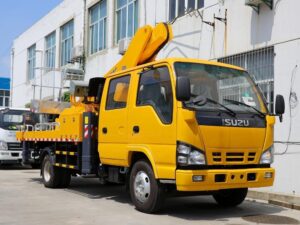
[86,131]
[71,139]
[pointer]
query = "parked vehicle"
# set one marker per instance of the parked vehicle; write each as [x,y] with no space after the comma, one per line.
[10,120]
[172,125]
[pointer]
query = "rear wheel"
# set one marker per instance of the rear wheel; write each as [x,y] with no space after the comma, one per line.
[54,177]
[35,165]
[145,191]
[230,197]
[66,178]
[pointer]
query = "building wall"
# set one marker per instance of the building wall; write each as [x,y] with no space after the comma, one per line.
[246,30]
[23,90]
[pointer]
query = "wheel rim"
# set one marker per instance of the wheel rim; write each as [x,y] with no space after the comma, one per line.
[142,187]
[46,171]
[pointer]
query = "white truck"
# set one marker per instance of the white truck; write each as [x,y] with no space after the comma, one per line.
[10,120]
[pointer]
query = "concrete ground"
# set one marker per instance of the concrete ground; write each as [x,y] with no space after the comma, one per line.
[24,200]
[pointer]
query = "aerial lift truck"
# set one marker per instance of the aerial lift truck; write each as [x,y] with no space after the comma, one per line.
[162,126]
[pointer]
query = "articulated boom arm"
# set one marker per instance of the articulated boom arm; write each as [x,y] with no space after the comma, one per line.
[144,46]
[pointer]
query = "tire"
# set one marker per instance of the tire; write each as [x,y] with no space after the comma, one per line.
[146,193]
[230,197]
[54,177]
[35,166]
[65,178]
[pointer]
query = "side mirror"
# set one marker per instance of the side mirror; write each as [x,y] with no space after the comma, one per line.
[183,89]
[96,85]
[279,106]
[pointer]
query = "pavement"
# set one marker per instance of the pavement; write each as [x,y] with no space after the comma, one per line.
[24,200]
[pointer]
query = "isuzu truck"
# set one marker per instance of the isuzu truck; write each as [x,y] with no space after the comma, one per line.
[162,126]
[10,147]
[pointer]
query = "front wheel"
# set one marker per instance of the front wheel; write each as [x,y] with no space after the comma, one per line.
[145,191]
[230,197]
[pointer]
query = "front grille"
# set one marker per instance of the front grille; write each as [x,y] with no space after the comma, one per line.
[15,154]
[233,157]
[14,146]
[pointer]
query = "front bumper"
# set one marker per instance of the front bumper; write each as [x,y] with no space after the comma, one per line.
[216,179]
[10,156]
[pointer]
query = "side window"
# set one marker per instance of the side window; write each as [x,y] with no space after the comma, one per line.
[155,89]
[117,93]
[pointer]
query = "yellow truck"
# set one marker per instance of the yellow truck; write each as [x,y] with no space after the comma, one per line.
[161,126]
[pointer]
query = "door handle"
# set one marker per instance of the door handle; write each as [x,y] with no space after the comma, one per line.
[104,130]
[136,129]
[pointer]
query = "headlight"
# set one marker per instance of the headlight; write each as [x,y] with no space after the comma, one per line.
[189,155]
[268,156]
[3,146]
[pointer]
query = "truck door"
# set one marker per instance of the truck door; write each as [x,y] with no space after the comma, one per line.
[152,119]
[113,136]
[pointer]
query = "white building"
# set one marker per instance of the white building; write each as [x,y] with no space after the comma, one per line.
[265,40]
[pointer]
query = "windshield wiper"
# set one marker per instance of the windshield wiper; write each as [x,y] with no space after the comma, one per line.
[201,100]
[244,104]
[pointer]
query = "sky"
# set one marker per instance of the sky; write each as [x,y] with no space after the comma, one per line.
[16,16]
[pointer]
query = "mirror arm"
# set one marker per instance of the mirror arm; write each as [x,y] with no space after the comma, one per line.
[280,118]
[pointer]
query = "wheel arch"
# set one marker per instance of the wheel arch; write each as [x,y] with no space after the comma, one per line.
[142,153]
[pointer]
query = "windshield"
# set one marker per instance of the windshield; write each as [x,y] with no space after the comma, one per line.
[230,87]
[10,119]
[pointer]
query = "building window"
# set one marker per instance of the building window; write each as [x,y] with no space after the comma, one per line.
[127,18]
[260,64]
[31,62]
[67,32]
[4,98]
[50,50]
[98,18]
[179,8]
[118,93]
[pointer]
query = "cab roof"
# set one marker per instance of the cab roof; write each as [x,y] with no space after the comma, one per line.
[173,60]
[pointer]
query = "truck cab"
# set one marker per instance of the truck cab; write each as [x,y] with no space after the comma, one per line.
[10,120]
[200,125]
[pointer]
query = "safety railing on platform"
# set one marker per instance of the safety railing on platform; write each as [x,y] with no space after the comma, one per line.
[39,127]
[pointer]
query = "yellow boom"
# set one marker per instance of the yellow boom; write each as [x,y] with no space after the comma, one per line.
[144,46]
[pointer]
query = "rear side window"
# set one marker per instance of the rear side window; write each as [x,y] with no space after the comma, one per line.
[117,93]
[155,89]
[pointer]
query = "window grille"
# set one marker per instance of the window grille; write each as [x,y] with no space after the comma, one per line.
[260,64]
